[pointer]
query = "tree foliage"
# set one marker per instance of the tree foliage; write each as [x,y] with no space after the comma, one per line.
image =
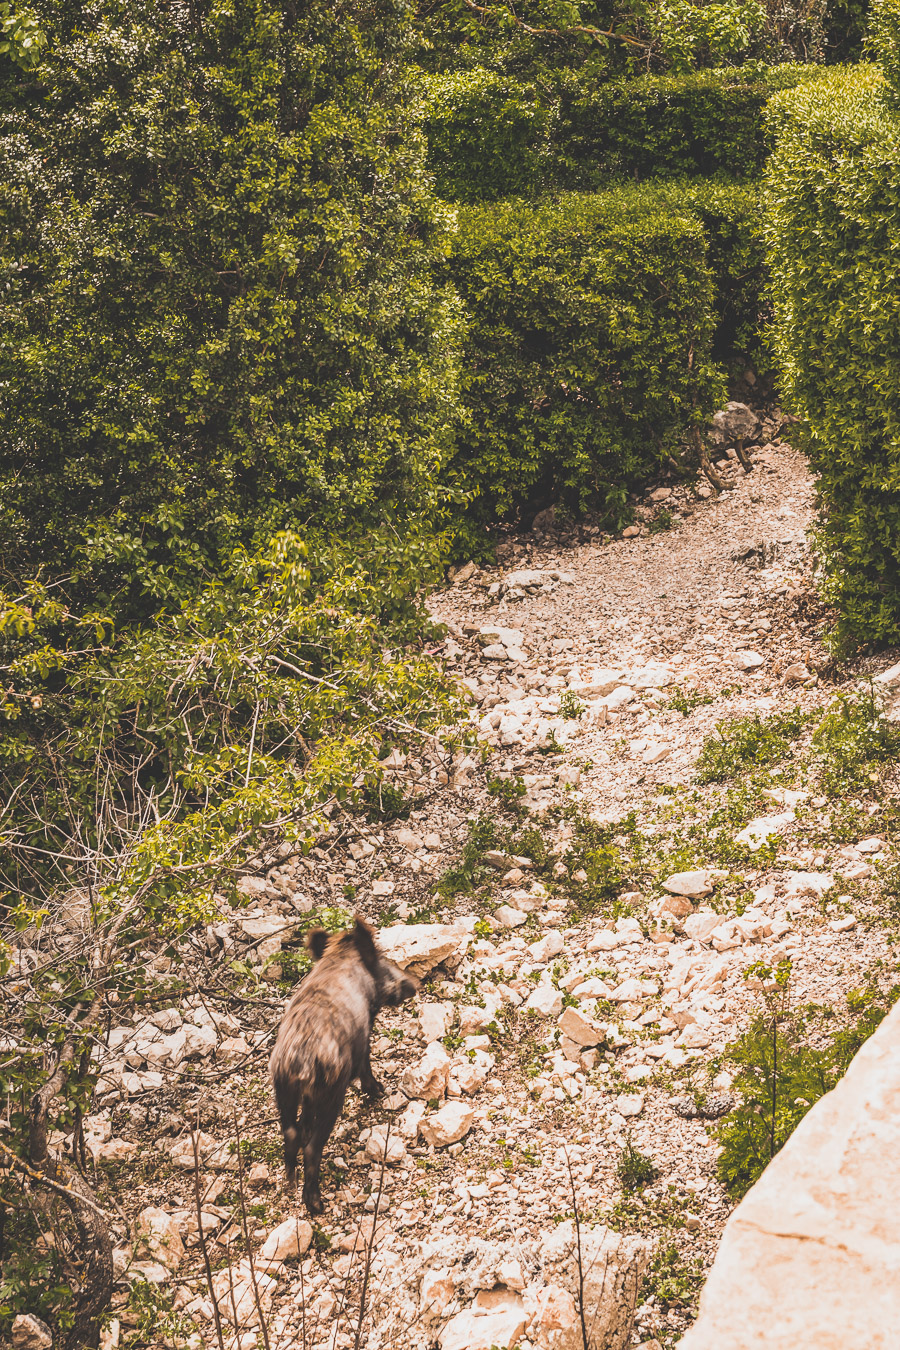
[218,310]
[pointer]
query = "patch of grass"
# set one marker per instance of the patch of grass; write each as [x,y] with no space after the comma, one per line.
[672,1280]
[742,743]
[853,743]
[471,869]
[634,1170]
[384,802]
[570,705]
[786,1061]
[661,521]
[685,701]
[509,791]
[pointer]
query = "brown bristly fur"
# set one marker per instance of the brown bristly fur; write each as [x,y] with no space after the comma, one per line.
[323,1043]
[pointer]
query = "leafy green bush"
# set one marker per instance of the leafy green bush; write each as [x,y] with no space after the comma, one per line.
[488,135]
[588,357]
[833,231]
[747,742]
[217,294]
[704,123]
[853,742]
[785,1063]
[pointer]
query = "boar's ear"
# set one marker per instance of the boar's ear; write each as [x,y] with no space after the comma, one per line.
[364,941]
[316,942]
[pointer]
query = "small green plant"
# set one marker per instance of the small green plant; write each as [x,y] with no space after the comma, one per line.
[472,869]
[386,802]
[747,742]
[685,701]
[510,791]
[854,741]
[570,705]
[634,1170]
[671,1279]
[663,520]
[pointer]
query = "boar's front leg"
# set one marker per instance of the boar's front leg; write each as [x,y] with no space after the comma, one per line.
[320,1125]
[367,1080]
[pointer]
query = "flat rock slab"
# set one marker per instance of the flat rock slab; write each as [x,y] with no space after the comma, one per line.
[810,1259]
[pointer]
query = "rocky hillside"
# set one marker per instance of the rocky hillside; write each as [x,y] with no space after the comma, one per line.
[599,897]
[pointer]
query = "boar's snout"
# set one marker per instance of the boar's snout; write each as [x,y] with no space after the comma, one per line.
[396,985]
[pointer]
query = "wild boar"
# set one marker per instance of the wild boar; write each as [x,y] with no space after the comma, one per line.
[323,1043]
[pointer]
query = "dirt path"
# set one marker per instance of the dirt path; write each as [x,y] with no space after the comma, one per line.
[576,1007]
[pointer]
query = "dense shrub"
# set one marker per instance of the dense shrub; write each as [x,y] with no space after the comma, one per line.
[705,122]
[833,232]
[588,352]
[488,135]
[491,136]
[217,303]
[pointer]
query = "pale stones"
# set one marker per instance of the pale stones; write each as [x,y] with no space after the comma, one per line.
[655,753]
[797,673]
[747,660]
[693,1037]
[30,1333]
[613,1268]
[383,1145]
[580,1028]
[240,1295]
[552,1309]
[593,987]
[843,925]
[448,1125]
[702,925]
[545,1000]
[198,1041]
[629,1105]
[677,906]
[473,1019]
[758,831]
[289,1240]
[601,682]
[434,1021]
[734,422]
[808,1260]
[650,677]
[427,1080]
[266,926]
[496,1320]
[232,1050]
[508,917]
[469,1073]
[157,1236]
[632,991]
[694,885]
[857,871]
[408,1124]
[550,945]
[438,1292]
[421,947]
[890,677]
[604,941]
[808,883]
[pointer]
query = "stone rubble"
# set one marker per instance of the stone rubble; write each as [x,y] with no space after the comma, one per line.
[547,1037]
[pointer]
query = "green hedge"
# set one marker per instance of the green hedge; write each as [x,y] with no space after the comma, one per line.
[589,350]
[833,230]
[731,214]
[490,136]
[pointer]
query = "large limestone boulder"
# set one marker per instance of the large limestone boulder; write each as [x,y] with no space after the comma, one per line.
[421,947]
[810,1259]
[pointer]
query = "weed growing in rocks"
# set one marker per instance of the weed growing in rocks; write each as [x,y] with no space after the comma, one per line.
[747,742]
[854,741]
[634,1170]
[786,1060]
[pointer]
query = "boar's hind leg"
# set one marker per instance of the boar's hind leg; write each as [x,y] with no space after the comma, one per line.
[318,1123]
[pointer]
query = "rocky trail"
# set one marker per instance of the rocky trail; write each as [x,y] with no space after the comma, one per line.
[597,908]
